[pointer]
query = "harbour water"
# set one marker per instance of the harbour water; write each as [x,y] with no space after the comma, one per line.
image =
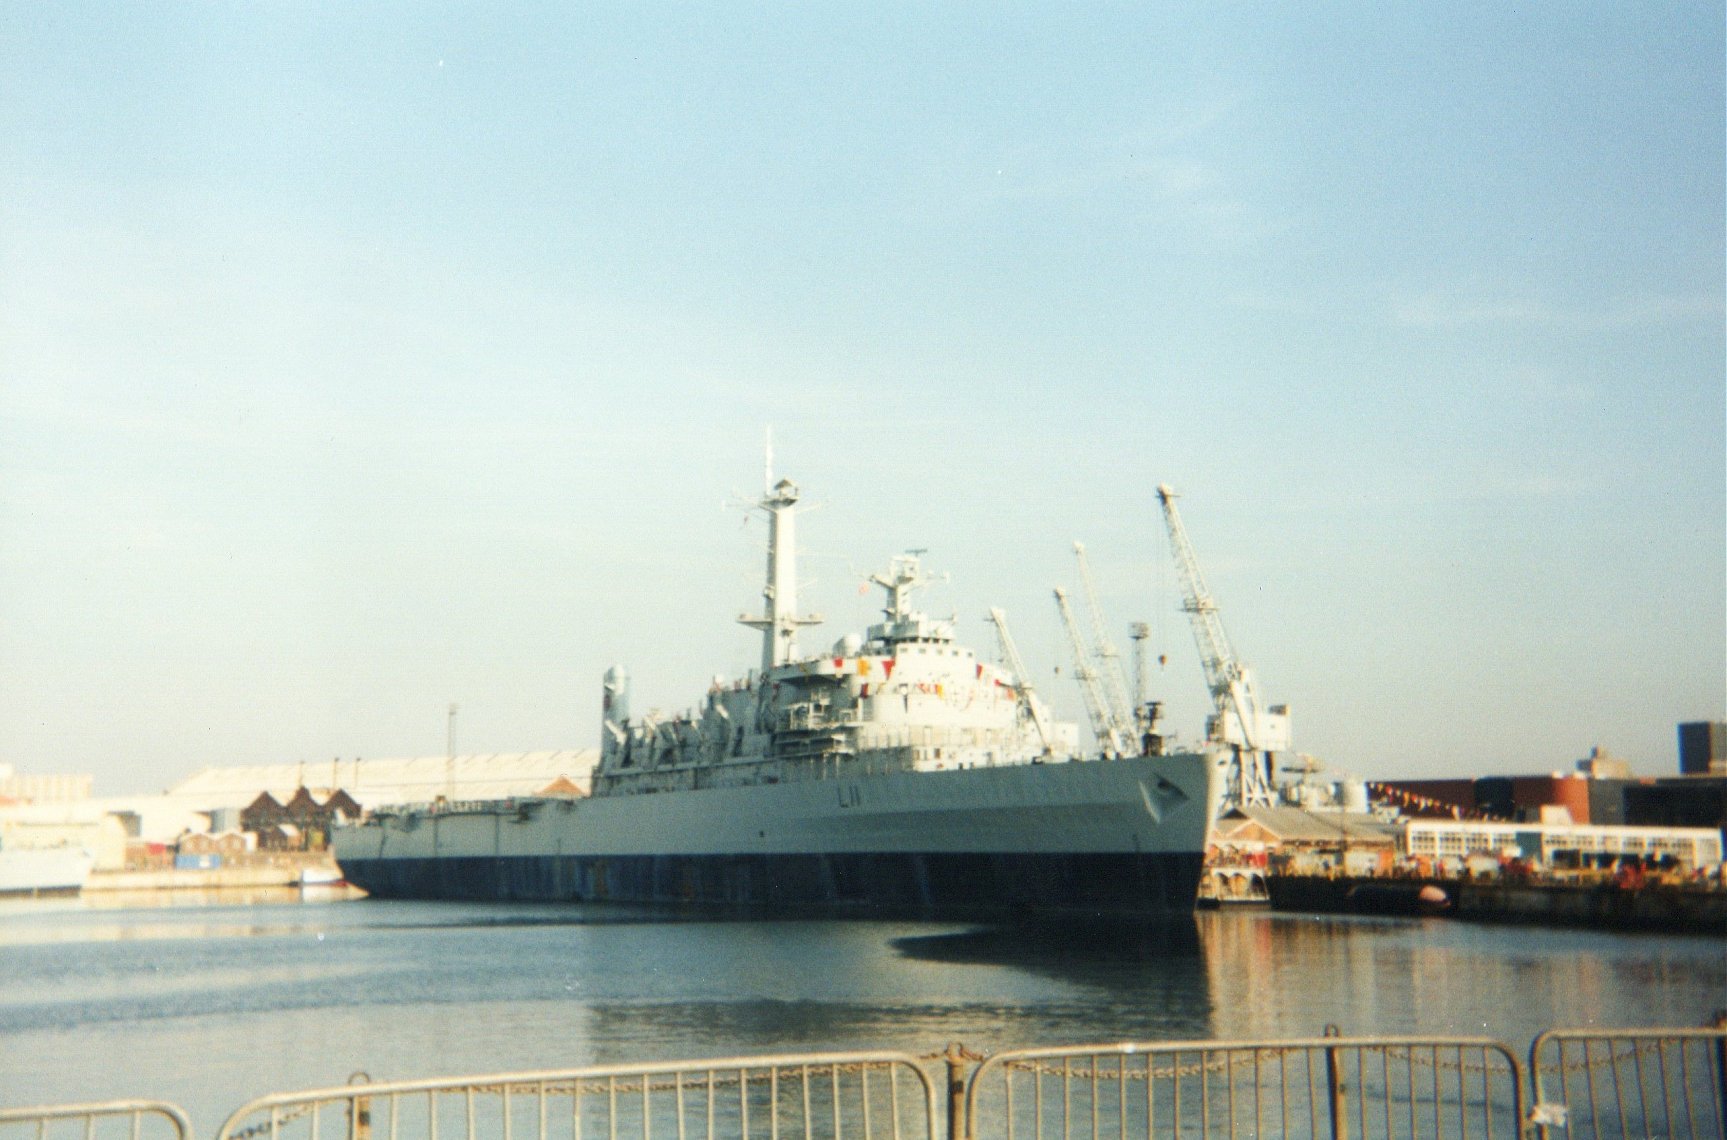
[210,1005]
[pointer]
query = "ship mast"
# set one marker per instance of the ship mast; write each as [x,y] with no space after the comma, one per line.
[779,620]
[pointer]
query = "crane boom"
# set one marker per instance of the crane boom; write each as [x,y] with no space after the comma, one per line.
[1240,719]
[1021,680]
[1112,674]
[1109,738]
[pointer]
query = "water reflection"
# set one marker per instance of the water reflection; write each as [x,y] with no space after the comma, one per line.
[101,1003]
[1059,949]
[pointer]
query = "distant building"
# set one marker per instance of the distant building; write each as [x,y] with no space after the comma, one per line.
[1678,801]
[1300,839]
[227,844]
[1703,748]
[44,788]
[305,819]
[1560,844]
[211,799]
[1603,765]
[65,824]
[280,837]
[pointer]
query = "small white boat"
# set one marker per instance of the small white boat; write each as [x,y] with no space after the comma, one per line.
[37,872]
[320,877]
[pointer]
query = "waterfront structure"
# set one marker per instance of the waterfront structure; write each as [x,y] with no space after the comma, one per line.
[388,780]
[1551,844]
[1602,790]
[895,771]
[212,798]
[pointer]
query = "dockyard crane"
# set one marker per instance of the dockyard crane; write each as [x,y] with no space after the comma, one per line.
[1110,672]
[1252,731]
[1110,739]
[1021,679]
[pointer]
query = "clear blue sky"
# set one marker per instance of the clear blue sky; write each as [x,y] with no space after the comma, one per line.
[360,358]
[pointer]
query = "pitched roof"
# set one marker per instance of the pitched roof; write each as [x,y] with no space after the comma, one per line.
[418,779]
[1298,825]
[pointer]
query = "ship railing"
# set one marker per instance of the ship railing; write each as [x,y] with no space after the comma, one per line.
[1630,1082]
[828,1096]
[103,1120]
[1333,1087]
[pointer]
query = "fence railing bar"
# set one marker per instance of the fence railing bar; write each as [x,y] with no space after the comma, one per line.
[834,1099]
[1037,1110]
[804,1092]
[1385,1083]
[1463,1092]
[744,1103]
[864,1092]
[893,1100]
[1204,1097]
[1661,1078]
[1685,1086]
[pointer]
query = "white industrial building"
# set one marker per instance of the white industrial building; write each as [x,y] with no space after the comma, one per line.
[210,800]
[1548,842]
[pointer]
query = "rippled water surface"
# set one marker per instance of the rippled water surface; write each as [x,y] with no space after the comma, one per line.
[208,1006]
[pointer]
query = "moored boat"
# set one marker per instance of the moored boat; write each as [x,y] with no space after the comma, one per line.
[39,872]
[897,772]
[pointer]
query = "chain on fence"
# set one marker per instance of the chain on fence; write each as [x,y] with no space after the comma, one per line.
[1620,1083]
[1318,1087]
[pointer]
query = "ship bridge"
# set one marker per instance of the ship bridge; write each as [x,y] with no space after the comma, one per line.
[904,624]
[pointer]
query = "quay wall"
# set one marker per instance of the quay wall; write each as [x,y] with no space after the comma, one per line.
[1655,907]
[276,873]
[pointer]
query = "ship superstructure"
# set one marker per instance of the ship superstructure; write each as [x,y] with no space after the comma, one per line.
[898,771]
[906,697]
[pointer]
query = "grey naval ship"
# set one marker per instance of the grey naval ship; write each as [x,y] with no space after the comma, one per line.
[896,774]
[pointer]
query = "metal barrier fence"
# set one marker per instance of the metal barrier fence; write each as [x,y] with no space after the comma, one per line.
[1592,1084]
[857,1096]
[1583,1085]
[1342,1088]
[107,1120]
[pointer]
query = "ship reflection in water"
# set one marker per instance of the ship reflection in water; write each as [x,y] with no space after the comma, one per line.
[206,1006]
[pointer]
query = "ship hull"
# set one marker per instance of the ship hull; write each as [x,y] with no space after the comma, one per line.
[1116,837]
[43,872]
